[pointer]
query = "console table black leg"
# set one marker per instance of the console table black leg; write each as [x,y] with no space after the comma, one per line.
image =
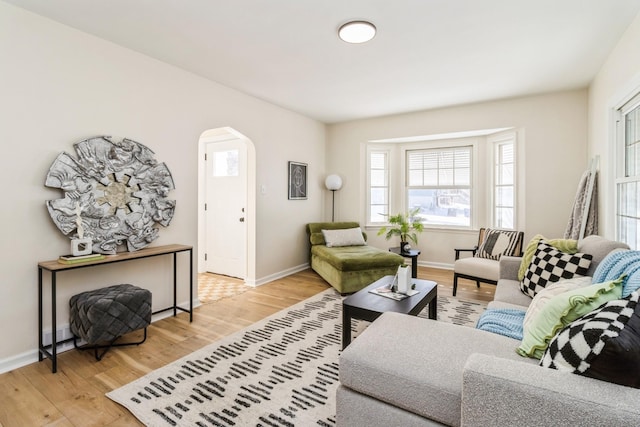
[175,284]
[190,285]
[40,334]
[54,327]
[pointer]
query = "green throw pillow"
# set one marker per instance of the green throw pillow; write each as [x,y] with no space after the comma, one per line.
[562,310]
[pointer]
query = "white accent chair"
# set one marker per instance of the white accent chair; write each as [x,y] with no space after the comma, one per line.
[479,269]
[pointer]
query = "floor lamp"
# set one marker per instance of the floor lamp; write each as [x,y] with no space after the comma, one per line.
[333,183]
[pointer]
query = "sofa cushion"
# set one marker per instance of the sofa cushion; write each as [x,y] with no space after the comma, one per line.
[478,267]
[562,310]
[550,265]
[343,237]
[508,291]
[598,247]
[416,364]
[506,393]
[603,344]
[497,243]
[355,258]
[544,296]
[501,304]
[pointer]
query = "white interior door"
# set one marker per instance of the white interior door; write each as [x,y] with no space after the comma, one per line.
[226,195]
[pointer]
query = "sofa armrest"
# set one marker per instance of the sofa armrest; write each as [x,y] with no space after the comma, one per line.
[509,266]
[501,392]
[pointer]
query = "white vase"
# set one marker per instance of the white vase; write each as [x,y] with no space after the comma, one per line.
[404,279]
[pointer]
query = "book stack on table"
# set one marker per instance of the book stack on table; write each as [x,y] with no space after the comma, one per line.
[70,259]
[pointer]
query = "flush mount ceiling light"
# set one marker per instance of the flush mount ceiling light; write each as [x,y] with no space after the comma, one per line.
[357,31]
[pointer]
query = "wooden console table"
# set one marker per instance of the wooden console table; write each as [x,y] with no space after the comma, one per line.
[50,351]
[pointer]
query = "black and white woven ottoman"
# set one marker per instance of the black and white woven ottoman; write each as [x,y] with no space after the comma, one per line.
[102,316]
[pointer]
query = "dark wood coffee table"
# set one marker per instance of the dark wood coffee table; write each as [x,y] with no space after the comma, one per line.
[367,306]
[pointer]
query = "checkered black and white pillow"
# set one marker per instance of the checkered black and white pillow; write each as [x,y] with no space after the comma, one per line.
[603,344]
[550,265]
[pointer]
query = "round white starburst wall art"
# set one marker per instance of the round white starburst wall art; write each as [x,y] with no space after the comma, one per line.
[115,193]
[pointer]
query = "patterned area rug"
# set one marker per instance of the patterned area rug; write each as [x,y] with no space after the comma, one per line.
[281,371]
[459,312]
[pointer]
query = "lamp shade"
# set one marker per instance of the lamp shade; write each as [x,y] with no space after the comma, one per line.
[333,182]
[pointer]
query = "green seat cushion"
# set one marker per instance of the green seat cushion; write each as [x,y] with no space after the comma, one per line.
[354,258]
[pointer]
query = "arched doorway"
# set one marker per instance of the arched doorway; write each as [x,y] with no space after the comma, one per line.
[217,219]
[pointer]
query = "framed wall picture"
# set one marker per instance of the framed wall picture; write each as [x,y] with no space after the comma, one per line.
[297,181]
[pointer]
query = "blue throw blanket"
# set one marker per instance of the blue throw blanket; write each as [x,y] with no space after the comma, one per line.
[502,321]
[619,263]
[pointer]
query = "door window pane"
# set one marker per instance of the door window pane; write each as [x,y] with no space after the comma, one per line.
[225,163]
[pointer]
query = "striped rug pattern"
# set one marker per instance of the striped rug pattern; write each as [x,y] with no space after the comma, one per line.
[281,371]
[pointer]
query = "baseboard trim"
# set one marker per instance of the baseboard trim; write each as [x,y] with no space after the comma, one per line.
[278,275]
[19,361]
[31,356]
[441,265]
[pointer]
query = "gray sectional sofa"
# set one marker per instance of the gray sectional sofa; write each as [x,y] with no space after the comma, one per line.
[409,371]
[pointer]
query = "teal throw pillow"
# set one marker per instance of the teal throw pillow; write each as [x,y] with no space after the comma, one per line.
[562,310]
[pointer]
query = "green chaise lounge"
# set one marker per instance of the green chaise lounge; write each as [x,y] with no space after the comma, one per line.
[349,268]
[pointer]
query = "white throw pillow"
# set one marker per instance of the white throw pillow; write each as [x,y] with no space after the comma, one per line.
[343,237]
[545,295]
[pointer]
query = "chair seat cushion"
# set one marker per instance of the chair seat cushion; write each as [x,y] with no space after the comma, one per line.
[508,291]
[478,267]
[355,258]
[407,361]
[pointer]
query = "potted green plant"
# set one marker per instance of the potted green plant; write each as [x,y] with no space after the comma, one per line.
[406,226]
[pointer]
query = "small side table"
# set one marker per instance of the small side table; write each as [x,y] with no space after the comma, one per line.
[413,254]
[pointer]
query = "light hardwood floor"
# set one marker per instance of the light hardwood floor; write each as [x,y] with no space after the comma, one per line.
[75,395]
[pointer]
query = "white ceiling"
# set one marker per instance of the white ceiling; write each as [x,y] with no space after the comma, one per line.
[427,53]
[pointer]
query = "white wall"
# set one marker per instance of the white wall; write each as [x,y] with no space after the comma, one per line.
[618,78]
[59,86]
[555,156]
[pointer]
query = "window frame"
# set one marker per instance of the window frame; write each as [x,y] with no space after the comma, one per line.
[443,145]
[496,140]
[481,181]
[387,151]
[621,178]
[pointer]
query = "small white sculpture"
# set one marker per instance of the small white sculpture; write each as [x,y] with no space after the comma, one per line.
[80,246]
